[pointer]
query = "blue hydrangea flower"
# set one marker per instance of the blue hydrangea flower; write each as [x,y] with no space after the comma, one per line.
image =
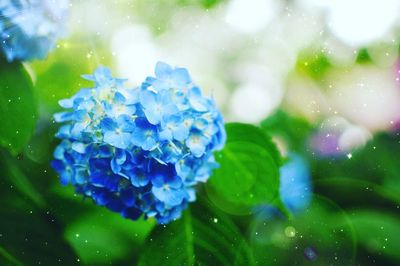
[29,29]
[295,183]
[295,188]
[139,151]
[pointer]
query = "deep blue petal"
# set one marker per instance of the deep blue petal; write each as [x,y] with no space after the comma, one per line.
[115,167]
[101,196]
[132,213]
[138,177]
[128,197]
[115,205]
[108,124]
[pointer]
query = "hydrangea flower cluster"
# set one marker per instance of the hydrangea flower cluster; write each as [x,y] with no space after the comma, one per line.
[142,150]
[29,28]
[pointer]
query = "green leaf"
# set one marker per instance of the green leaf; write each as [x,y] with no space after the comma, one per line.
[21,182]
[104,237]
[312,237]
[377,232]
[208,4]
[17,107]
[365,201]
[28,235]
[377,162]
[200,237]
[42,143]
[59,76]
[7,259]
[377,195]
[363,56]
[293,130]
[249,169]
[313,64]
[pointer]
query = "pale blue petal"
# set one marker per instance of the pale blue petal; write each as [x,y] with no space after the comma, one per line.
[163,70]
[180,132]
[66,103]
[118,140]
[181,76]
[169,196]
[154,116]
[79,147]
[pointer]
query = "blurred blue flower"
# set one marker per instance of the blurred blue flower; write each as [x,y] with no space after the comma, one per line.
[295,188]
[29,29]
[139,151]
[295,183]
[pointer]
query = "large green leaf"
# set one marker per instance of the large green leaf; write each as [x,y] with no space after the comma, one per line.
[249,170]
[17,106]
[101,237]
[200,237]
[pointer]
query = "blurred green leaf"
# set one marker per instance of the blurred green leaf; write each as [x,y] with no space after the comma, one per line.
[368,181]
[378,162]
[42,143]
[293,130]
[17,106]
[363,56]
[249,168]
[101,237]
[158,15]
[377,195]
[59,76]
[313,64]
[98,235]
[377,232]
[7,259]
[29,235]
[204,3]
[312,237]
[21,182]
[200,237]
